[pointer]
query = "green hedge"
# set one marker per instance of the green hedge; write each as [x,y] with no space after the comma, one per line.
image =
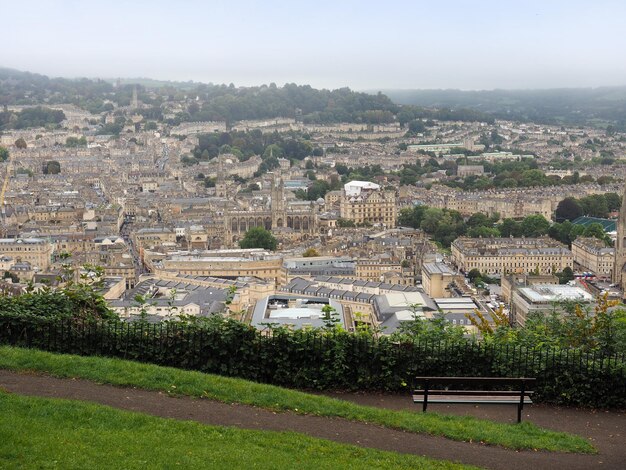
[325,360]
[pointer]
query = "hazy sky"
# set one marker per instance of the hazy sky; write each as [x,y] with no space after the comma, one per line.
[367,44]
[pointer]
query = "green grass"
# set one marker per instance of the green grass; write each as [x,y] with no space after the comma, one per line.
[51,433]
[229,390]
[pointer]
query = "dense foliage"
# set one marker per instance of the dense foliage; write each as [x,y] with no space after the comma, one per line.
[513,174]
[213,102]
[595,205]
[51,167]
[566,232]
[243,145]
[410,114]
[258,237]
[227,103]
[445,225]
[31,117]
[583,375]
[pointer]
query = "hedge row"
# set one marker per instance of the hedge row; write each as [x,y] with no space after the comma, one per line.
[323,360]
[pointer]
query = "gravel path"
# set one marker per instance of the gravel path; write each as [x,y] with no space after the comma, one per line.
[607,430]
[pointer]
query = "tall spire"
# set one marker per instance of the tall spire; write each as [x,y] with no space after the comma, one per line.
[135,101]
[620,246]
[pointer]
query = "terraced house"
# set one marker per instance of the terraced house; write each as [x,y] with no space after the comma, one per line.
[499,256]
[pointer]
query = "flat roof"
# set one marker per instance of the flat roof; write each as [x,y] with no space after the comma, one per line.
[555,292]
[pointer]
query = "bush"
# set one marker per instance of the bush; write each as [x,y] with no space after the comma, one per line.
[331,359]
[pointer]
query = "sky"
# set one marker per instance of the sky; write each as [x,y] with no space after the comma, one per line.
[366,45]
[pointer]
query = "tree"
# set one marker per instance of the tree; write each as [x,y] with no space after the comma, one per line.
[595,205]
[4,154]
[484,232]
[478,219]
[9,275]
[510,228]
[431,220]
[258,237]
[20,143]
[330,317]
[416,126]
[75,142]
[310,253]
[535,226]
[595,230]
[51,167]
[566,275]
[568,209]
[345,223]
[412,217]
[613,201]
[474,275]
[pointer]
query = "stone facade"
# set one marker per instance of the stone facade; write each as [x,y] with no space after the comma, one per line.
[593,255]
[502,256]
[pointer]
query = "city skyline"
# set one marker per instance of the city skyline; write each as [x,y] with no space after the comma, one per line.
[409,45]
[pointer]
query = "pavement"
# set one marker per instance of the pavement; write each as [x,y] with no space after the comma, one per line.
[607,430]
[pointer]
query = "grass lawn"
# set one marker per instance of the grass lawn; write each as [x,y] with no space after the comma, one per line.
[65,434]
[229,390]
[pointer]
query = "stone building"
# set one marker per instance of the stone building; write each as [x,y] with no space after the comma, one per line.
[365,203]
[35,251]
[277,217]
[593,255]
[436,279]
[502,256]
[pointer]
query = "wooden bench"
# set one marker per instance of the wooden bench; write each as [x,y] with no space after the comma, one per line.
[519,394]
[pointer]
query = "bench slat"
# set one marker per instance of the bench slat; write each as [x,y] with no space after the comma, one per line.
[471,399]
[490,380]
[518,397]
[491,393]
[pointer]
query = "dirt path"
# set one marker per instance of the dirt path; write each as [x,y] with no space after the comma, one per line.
[607,430]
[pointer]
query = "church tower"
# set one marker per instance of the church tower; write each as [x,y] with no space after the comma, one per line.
[619,276]
[134,103]
[278,203]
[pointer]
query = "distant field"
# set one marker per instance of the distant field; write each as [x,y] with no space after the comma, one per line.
[50,433]
[229,390]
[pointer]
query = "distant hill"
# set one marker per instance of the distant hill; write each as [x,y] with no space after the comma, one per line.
[215,102]
[573,106]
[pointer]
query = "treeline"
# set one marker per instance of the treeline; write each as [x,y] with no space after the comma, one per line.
[214,102]
[594,205]
[523,173]
[408,175]
[224,102]
[227,103]
[408,114]
[25,88]
[31,117]
[245,144]
[444,226]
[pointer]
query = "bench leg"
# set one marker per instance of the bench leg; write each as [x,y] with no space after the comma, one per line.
[520,407]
